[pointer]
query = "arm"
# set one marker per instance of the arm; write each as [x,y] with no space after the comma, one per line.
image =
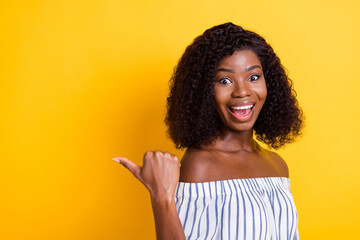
[160,175]
[167,222]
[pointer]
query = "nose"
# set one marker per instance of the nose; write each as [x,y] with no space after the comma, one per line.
[241,90]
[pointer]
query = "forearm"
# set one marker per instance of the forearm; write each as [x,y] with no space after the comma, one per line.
[167,222]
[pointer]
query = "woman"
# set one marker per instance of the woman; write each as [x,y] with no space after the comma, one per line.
[228,86]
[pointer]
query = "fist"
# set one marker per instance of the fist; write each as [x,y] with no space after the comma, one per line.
[159,173]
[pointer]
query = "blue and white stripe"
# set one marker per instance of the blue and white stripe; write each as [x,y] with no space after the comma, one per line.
[251,208]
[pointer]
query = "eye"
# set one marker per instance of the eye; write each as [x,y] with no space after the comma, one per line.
[225,81]
[254,78]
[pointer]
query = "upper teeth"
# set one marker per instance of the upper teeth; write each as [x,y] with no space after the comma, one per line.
[242,107]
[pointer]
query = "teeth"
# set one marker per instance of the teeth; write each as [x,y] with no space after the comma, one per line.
[242,107]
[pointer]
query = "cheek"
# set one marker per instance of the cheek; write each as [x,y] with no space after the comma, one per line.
[220,103]
[265,94]
[219,97]
[263,91]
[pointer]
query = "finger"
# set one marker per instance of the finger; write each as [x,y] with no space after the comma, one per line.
[158,154]
[148,157]
[133,168]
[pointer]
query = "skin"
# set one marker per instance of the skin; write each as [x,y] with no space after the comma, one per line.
[234,154]
[160,175]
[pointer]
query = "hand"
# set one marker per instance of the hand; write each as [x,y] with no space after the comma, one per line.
[159,173]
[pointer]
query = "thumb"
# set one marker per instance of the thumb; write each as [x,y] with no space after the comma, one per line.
[132,167]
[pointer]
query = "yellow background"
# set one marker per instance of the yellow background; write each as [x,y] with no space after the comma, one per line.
[84,81]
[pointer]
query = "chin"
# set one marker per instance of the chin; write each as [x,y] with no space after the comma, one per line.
[243,127]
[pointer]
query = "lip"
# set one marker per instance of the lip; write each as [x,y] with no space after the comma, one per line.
[243,103]
[242,118]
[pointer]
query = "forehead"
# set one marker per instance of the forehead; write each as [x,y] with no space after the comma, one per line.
[240,60]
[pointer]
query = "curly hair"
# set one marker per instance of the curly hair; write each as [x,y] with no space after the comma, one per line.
[192,118]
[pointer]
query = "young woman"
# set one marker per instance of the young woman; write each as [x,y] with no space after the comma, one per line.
[228,87]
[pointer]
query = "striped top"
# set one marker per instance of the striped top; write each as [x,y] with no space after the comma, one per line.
[250,208]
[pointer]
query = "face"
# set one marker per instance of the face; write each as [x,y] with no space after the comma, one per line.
[240,90]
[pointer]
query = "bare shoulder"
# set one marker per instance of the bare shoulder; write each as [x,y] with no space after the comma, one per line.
[196,165]
[280,163]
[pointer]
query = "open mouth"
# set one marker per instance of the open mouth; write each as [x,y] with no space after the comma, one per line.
[242,112]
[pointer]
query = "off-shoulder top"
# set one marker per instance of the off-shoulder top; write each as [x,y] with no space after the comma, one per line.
[251,208]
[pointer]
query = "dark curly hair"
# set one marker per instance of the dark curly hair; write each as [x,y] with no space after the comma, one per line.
[192,118]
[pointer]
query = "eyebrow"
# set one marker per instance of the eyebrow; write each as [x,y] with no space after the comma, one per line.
[233,71]
[252,67]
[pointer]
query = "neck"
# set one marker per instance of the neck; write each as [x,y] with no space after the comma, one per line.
[232,141]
